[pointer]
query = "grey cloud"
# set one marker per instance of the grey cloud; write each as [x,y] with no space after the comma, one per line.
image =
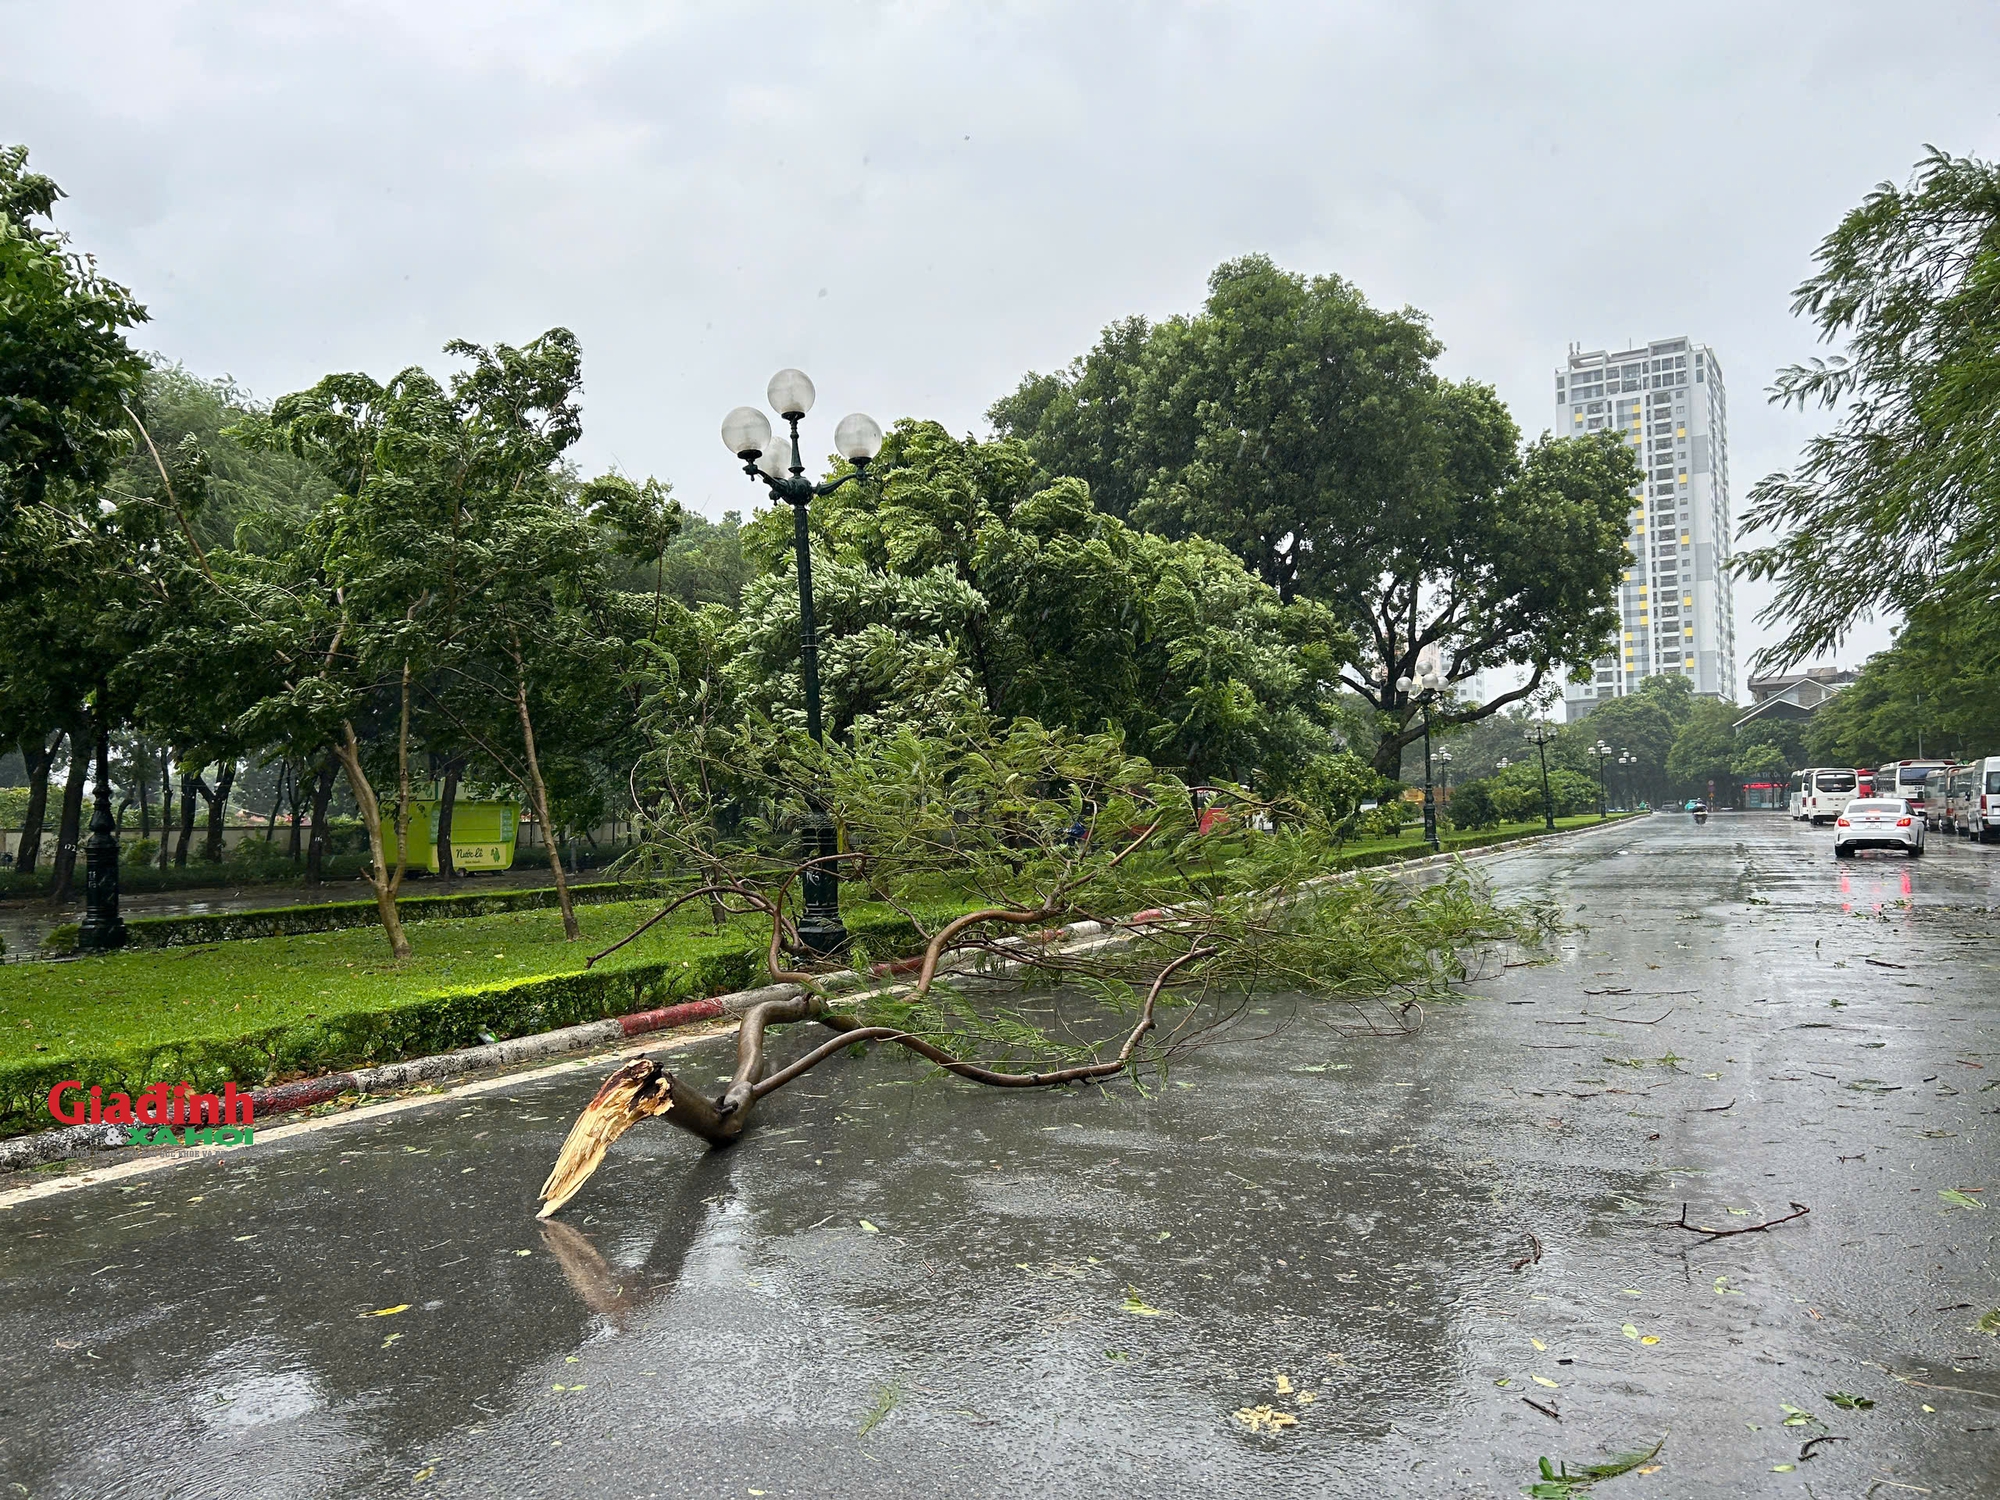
[978,190]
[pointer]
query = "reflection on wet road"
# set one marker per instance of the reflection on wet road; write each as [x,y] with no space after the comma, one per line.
[1067,1294]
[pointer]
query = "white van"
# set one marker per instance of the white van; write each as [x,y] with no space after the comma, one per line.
[1826,792]
[1976,812]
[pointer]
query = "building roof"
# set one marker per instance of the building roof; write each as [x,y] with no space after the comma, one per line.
[1794,696]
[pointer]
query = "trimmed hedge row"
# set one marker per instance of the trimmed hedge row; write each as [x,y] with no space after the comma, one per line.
[331,916]
[1454,843]
[417,1027]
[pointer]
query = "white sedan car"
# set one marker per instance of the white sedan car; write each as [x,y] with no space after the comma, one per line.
[1877,823]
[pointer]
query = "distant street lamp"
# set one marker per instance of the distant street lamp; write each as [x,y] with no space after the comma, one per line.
[1444,777]
[1627,759]
[1428,684]
[746,432]
[1600,752]
[1540,735]
[101,929]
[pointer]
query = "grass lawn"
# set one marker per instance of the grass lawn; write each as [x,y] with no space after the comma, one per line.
[220,990]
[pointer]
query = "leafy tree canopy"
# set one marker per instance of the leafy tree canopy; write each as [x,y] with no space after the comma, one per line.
[67,374]
[1311,434]
[963,577]
[1909,479]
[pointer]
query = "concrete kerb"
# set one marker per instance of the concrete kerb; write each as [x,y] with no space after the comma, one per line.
[613,1033]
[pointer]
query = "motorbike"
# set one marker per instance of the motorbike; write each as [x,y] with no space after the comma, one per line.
[1700,815]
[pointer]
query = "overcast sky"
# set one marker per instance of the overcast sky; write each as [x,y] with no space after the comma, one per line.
[916,203]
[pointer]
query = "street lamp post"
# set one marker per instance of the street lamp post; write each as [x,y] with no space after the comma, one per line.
[1540,735]
[101,929]
[1444,780]
[1429,684]
[746,432]
[1625,759]
[1600,752]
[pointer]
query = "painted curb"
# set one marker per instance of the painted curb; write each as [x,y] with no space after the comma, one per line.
[85,1140]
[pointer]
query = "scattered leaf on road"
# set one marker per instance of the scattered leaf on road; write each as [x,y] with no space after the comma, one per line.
[388,1312]
[1138,1308]
[1265,1418]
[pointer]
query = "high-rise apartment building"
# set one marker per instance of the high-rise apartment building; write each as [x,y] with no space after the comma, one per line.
[1665,399]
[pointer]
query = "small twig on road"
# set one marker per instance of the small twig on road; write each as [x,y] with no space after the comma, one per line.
[1532,1257]
[1926,1385]
[1799,1211]
[1883,963]
[1806,1451]
[1547,1411]
[1716,1109]
[1628,1021]
[1611,990]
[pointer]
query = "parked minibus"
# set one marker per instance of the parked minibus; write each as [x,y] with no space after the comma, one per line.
[1937,796]
[1795,803]
[1827,790]
[1976,812]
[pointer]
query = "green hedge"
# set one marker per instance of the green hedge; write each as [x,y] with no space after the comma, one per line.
[415,1028]
[418,1027]
[331,916]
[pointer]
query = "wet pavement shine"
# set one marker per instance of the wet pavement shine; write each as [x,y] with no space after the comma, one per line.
[1442,1257]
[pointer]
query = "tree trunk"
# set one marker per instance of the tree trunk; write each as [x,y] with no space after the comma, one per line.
[218,815]
[70,830]
[348,749]
[142,759]
[40,759]
[189,784]
[277,801]
[539,791]
[298,797]
[316,843]
[446,869]
[166,805]
[1389,749]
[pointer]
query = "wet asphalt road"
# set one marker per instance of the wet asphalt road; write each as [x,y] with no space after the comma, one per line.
[1305,1213]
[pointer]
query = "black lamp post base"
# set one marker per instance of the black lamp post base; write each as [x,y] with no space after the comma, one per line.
[822,936]
[101,929]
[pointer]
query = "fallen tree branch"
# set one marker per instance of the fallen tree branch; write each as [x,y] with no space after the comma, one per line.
[1799,1211]
[1628,1021]
[1082,1073]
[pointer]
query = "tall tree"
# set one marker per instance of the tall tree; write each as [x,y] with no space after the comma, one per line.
[1311,434]
[1909,478]
[963,578]
[67,374]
